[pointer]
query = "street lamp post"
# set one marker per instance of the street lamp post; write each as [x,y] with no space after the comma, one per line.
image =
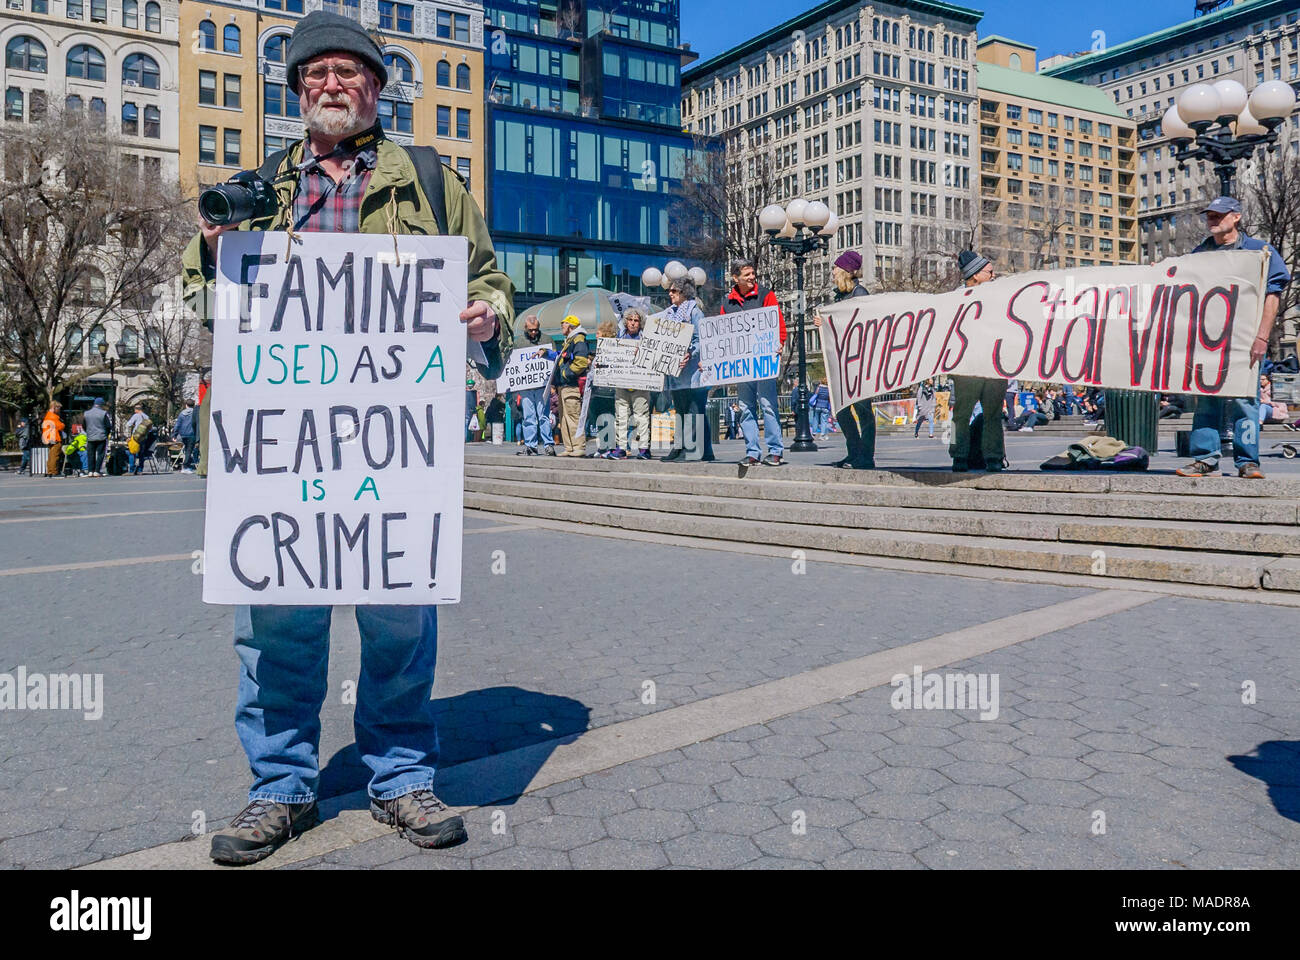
[800,228]
[112,375]
[1240,123]
[673,270]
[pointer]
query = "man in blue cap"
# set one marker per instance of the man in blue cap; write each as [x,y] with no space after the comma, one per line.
[1223,219]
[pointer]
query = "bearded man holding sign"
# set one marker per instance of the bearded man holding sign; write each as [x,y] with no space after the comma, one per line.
[345,177]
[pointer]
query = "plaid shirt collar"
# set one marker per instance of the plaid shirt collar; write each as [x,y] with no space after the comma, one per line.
[320,204]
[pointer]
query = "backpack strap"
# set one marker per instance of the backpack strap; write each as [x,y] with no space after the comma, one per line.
[429,168]
[271,165]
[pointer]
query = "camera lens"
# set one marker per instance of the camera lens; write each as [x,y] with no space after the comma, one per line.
[214,205]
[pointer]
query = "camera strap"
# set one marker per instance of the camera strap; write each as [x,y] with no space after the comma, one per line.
[360,141]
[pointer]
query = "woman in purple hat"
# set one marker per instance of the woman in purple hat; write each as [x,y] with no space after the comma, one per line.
[857,421]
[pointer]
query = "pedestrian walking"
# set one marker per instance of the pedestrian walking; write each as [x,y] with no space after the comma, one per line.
[23,431]
[1223,220]
[185,430]
[572,361]
[989,393]
[925,403]
[98,429]
[819,410]
[534,403]
[757,397]
[357,185]
[133,427]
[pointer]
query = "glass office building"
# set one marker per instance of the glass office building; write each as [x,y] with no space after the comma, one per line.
[585,140]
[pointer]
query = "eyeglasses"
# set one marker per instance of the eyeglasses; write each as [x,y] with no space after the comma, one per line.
[317,74]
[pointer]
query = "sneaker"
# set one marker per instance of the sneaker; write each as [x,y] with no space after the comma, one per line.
[550,451]
[618,453]
[749,461]
[1291,426]
[526,452]
[644,454]
[261,828]
[1199,468]
[773,460]
[1250,471]
[1025,430]
[416,816]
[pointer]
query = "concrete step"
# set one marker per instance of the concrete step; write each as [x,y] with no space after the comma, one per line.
[1272,540]
[1167,565]
[973,493]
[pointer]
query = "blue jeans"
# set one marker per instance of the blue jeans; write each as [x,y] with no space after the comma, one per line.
[819,419]
[759,395]
[1244,412]
[283,655]
[537,416]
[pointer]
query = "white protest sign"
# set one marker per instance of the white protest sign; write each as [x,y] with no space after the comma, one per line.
[336,469]
[663,345]
[735,347]
[525,371]
[1184,325]
[615,366]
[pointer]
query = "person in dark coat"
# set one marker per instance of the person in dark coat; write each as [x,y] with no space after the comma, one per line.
[858,420]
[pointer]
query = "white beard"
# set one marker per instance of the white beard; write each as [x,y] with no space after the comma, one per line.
[331,123]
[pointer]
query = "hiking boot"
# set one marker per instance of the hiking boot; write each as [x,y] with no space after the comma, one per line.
[260,829]
[550,451]
[749,461]
[416,816]
[1199,468]
[675,455]
[1250,471]
[772,460]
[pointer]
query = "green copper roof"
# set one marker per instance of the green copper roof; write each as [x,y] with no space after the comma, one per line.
[1035,86]
[1178,33]
[937,8]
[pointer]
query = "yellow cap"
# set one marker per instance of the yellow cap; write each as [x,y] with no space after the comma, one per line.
[572,321]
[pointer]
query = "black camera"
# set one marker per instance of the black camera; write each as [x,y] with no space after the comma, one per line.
[243,197]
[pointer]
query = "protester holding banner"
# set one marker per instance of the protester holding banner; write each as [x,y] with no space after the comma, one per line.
[345,176]
[534,403]
[858,420]
[990,394]
[690,400]
[757,397]
[1223,220]
[571,363]
[637,402]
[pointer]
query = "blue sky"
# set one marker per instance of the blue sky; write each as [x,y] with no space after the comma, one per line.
[711,26]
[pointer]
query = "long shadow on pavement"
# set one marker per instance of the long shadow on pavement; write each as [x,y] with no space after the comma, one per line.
[476,724]
[1277,763]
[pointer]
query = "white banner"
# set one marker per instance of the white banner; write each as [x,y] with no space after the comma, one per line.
[1184,325]
[336,469]
[615,366]
[524,370]
[735,347]
[663,345]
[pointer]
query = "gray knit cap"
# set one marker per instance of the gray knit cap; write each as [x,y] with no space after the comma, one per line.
[321,32]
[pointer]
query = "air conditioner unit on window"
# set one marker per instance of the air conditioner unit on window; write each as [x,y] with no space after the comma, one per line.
[130,83]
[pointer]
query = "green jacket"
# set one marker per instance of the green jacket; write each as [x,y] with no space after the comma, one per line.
[392,181]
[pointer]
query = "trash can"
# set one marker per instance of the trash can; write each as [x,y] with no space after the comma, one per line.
[1133,416]
[713,414]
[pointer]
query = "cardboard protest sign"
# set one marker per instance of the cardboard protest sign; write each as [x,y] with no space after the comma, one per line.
[735,347]
[615,366]
[336,473]
[1184,325]
[663,345]
[524,370]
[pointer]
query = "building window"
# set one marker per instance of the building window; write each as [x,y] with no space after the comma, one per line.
[98,111]
[397,17]
[85,63]
[25,53]
[140,70]
[13,104]
[99,11]
[462,76]
[230,92]
[443,73]
[290,6]
[72,103]
[453,26]
[75,11]
[130,119]
[153,123]
[152,23]
[230,148]
[462,167]
[131,14]
[399,68]
[462,123]
[208,87]
[230,38]
[444,121]
[207,144]
[395,115]
[278,100]
[207,35]
[275,48]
